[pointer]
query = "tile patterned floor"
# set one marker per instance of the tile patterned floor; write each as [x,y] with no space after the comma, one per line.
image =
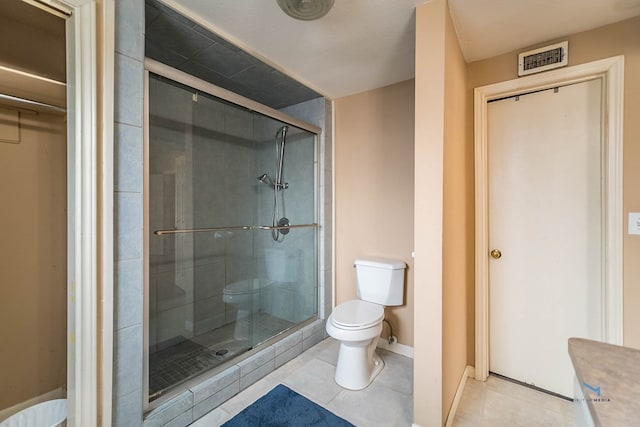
[388,401]
[500,403]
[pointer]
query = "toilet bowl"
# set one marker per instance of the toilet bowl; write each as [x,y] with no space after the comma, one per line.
[244,295]
[357,323]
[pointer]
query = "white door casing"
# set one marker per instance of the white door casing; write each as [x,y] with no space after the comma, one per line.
[611,71]
[545,218]
[90,209]
[90,113]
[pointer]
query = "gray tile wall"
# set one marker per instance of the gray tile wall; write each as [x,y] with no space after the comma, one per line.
[326,212]
[128,216]
[128,381]
[223,196]
[171,261]
[294,296]
[319,112]
[183,44]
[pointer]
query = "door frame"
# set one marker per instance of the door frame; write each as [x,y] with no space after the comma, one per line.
[611,71]
[90,38]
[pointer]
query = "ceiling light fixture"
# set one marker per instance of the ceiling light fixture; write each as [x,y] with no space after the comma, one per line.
[306,10]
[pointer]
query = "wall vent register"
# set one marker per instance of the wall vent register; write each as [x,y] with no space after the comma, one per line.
[543,59]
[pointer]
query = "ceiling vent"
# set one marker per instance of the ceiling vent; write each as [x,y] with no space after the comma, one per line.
[543,59]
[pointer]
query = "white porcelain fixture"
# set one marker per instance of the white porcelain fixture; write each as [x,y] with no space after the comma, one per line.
[357,324]
[51,413]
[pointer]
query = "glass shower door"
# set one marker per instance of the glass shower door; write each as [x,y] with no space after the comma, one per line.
[286,257]
[186,270]
[232,236]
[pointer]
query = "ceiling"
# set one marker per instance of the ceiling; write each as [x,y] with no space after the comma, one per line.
[365,44]
[487,28]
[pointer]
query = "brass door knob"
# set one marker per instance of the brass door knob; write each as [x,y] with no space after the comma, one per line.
[496,254]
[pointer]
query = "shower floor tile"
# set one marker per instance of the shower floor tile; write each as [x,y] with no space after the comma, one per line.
[178,363]
[190,357]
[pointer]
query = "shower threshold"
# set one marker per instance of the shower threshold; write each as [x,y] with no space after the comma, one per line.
[229,378]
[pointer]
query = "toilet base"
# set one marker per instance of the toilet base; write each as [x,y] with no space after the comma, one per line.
[241,331]
[358,364]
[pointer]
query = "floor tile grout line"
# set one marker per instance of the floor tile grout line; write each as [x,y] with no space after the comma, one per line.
[335,396]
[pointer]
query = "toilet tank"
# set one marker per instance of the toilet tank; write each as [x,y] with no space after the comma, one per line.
[380,280]
[282,264]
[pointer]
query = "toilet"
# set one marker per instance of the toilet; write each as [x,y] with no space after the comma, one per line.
[357,324]
[281,266]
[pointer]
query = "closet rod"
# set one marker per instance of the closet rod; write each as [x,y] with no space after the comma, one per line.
[58,10]
[30,103]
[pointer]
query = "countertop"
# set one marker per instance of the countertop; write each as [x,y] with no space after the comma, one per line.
[610,380]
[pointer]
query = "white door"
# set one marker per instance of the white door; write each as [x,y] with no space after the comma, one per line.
[545,219]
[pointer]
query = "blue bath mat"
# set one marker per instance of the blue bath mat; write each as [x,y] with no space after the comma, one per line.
[283,407]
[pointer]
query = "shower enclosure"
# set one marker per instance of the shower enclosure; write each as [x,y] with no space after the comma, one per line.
[231,226]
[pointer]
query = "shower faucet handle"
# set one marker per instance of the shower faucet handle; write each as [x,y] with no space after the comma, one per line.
[282,186]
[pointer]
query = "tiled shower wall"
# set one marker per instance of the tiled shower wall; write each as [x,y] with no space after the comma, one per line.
[318,112]
[294,297]
[171,261]
[128,241]
[224,198]
[128,215]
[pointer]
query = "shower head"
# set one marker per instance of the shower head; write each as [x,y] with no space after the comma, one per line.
[264,178]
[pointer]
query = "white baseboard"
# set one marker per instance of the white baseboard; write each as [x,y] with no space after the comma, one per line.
[469,371]
[58,393]
[401,349]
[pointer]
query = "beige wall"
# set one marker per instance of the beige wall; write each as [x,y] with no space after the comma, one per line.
[444,207]
[33,40]
[458,223]
[374,190]
[428,230]
[33,258]
[444,201]
[33,249]
[622,38]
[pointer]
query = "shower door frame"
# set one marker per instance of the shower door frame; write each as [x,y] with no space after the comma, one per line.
[158,68]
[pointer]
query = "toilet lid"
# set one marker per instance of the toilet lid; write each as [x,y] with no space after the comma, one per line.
[357,314]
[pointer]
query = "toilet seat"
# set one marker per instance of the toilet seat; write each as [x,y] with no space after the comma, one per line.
[244,286]
[356,315]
